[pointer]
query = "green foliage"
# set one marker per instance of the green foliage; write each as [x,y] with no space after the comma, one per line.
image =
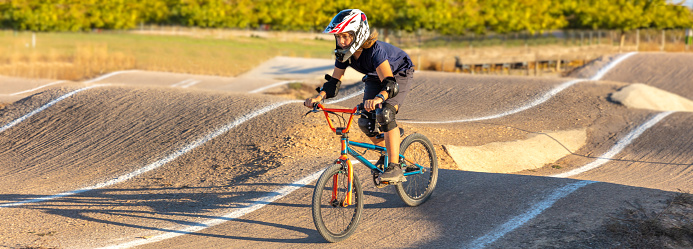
[626,15]
[444,16]
[523,15]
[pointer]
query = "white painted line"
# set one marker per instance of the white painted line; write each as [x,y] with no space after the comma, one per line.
[618,147]
[186,83]
[44,107]
[548,95]
[236,213]
[538,208]
[191,83]
[34,89]
[181,83]
[162,161]
[535,210]
[102,77]
[610,66]
[536,102]
[357,93]
[273,85]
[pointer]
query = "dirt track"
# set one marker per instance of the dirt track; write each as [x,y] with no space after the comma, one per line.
[108,131]
[669,72]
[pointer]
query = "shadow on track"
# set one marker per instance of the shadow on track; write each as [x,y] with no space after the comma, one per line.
[464,206]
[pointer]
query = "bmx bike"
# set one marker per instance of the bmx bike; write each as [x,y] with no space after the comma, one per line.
[338,196]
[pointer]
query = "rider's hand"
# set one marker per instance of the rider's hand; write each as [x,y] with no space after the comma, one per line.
[311,101]
[371,104]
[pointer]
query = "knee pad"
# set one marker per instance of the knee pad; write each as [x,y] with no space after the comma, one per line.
[368,127]
[386,117]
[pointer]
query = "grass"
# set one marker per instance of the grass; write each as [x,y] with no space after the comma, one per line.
[671,227]
[75,56]
[78,56]
[295,90]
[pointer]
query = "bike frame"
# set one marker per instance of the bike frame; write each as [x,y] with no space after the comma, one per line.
[346,149]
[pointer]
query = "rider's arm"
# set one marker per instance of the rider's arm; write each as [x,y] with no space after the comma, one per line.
[384,71]
[337,73]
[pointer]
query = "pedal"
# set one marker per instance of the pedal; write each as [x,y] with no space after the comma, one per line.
[411,168]
[401,180]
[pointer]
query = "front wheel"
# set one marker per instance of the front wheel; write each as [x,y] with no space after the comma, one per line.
[334,220]
[421,169]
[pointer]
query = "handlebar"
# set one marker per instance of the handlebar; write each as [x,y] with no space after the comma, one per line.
[358,111]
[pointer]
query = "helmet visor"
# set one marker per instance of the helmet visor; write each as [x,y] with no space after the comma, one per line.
[336,20]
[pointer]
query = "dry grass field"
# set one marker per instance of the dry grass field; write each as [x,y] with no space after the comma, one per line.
[75,56]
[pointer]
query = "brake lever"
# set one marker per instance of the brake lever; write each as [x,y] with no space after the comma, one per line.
[309,112]
[361,111]
[315,109]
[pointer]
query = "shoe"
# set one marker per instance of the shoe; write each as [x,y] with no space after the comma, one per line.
[393,174]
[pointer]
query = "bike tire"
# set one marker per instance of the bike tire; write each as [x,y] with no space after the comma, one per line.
[418,187]
[335,222]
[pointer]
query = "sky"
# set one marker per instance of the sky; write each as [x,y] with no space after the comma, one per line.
[688,3]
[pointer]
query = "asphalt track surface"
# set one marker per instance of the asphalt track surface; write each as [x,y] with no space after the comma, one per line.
[159,160]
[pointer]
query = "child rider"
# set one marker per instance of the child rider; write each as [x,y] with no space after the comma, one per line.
[388,71]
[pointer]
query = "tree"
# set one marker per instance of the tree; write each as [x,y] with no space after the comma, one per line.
[444,16]
[625,15]
[522,15]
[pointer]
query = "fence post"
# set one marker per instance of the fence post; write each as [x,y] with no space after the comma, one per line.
[418,35]
[689,37]
[637,40]
[442,64]
[663,41]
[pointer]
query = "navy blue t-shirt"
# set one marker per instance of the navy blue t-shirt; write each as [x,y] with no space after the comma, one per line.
[372,57]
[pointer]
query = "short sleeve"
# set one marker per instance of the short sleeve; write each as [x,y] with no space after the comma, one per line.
[379,56]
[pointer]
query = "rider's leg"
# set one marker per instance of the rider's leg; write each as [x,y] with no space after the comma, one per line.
[378,141]
[386,120]
[392,139]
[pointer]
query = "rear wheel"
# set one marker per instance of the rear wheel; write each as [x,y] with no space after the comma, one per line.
[334,221]
[417,149]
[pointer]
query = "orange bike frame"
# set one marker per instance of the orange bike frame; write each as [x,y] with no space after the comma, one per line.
[343,158]
[329,121]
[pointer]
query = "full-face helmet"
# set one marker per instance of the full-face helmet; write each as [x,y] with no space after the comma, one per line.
[354,22]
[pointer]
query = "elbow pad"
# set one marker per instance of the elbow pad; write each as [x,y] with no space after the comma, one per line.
[390,86]
[331,87]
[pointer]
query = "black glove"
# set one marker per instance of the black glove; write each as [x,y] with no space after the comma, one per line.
[331,87]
